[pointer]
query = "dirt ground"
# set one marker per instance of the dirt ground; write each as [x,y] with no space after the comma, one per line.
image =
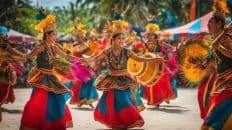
[181,114]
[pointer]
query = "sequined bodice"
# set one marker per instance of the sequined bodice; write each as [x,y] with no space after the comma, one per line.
[118,62]
[42,60]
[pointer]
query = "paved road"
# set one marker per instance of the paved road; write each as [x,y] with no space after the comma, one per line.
[181,114]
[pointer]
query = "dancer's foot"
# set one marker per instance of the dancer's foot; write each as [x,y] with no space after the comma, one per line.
[168,102]
[157,106]
[79,105]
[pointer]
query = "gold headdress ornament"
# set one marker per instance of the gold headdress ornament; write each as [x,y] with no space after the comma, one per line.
[152,28]
[133,36]
[119,26]
[79,30]
[46,25]
[220,5]
[93,32]
[220,8]
[108,28]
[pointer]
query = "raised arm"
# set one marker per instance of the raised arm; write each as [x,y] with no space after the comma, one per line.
[95,58]
[60,52]
[225,48]
[166,45]
[16,54]
[35,51]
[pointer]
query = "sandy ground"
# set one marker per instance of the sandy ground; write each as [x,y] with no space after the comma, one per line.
[181,114]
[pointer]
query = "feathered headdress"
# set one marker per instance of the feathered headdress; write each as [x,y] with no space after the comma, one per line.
[220,7]
[133,36]
[119,26]
[152,27]
[79,30]
[47,24]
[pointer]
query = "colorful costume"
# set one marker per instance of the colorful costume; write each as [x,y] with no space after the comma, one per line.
[9,66]
[84,93]
[46,108]
[192,58]
[219,114]
[116,107]
[162,90]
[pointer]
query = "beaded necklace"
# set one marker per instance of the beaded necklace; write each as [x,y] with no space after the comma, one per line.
[117,60]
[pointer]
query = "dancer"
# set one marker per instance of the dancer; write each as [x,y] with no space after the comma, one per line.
[116,108]
[162,90]
[9,66]
[46,108]
[84,92]
[219,114]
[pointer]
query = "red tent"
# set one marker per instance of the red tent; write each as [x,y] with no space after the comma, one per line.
[18,37]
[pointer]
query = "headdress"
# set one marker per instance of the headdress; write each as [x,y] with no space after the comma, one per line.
[133,36]
[152,27]
[79,30]
[118,27]
[47,24]
[220,7]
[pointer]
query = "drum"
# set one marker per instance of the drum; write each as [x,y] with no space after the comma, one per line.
[152,72]
[135,67]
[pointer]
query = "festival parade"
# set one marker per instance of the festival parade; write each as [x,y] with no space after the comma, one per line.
[115,64]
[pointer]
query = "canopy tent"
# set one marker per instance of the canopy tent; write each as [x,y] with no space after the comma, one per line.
[18,37]
[195,29]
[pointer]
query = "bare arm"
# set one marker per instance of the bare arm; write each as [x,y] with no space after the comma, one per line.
[16,54]
[95,58]
[225,48]
[60,52]
[166,45]
[35,51]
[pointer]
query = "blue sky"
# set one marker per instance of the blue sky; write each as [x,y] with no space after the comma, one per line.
[50,4]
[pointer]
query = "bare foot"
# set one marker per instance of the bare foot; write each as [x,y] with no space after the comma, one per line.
[157,106]
[79,105]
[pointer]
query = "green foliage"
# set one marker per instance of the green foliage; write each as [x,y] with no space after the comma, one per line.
[100,11]
[18,15]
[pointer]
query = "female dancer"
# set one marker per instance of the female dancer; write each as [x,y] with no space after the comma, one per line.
[162,90]
[9,58]
[116,108]
[46,108]
[84,92]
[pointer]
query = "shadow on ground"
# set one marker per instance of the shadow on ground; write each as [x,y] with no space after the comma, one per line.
[169,109]
[13,111]
[83,108]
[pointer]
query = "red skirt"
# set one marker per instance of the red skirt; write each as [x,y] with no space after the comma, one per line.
[46,111]
[6,94]
[160,92]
